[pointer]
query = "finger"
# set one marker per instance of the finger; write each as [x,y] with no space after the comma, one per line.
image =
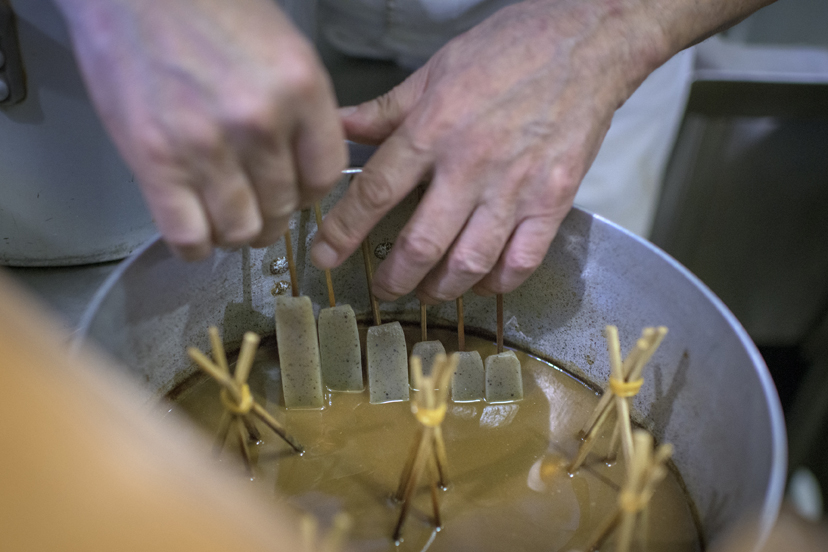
[522,256]
[473,255]
[320,153]
[270,169]
[438,219]
[229,200]
[180,217]
[392,172]
[375,120]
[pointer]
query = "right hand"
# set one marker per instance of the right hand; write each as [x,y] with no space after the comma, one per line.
[222,109]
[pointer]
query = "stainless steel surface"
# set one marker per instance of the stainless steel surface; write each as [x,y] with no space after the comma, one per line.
[708,391]
[744,203]
[66,197]
[12,77]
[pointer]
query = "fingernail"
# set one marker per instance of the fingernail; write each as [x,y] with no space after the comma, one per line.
[348,111]
[323,255]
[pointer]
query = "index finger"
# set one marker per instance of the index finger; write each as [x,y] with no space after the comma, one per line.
[391,173]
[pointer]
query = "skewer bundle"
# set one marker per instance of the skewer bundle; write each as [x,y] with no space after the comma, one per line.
[428,453]
[624,383]
[645,471]
[239,405]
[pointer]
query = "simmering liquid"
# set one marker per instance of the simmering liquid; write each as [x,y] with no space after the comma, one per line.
[508,488]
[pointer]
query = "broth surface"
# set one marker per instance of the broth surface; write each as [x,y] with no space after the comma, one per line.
[496,498]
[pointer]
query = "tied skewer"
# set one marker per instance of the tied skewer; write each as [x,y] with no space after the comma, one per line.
[317,210]
[646,470]
[236,398]
[428,452]
[369,276]
[624,383]
[294,281]
[499,323]
[461,327]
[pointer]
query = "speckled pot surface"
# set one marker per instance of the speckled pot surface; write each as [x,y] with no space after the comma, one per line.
[708,391]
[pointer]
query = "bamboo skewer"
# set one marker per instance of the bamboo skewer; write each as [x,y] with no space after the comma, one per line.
[625,381]
[239,403]
[423,322]
[499,323]
[317,210]
[294,281]
[428,451]
[369,276]
[646,470]
[461,326]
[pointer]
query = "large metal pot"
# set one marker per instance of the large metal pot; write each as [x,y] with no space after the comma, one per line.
[708,391]
[66,197]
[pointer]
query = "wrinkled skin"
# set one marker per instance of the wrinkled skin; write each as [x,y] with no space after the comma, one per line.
[222,110]
[506,120]
[227,118]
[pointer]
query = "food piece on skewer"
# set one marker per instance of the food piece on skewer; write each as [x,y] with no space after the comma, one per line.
[387,357]
[469,381]
[339,349]
[504,381]
[427,351]
[299,353]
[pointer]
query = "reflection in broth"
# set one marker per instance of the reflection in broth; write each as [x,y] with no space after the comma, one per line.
[508,486]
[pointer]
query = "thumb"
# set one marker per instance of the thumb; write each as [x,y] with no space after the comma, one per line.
[375,120]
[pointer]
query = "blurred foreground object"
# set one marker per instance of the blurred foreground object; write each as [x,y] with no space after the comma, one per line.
[791,532]
[87,467]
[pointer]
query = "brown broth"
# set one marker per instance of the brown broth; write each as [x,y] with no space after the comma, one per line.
[495,500]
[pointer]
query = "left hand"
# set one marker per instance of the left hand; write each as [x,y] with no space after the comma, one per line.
[506,120]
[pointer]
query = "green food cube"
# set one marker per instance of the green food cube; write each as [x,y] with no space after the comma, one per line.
[299,353]
[427,351]
[469,381]
[339,349]
[387,357]
[504,382]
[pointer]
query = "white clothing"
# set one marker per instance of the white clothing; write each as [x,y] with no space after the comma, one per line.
[623,183]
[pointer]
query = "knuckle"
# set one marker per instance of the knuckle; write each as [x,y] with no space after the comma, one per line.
[340,235]
[302,77]
[419,248]
[523,263]
[373,190]
[251,115]
[472,262]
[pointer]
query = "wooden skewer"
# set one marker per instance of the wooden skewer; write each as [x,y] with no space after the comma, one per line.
[242,435]
[294,280]
[221,434]
[499,323]
[229,383]
[461,327]
[423,322]
[220,358]
[629,363]
[331,299]
[645,471]
[369,276]
[621,404]
[426,454]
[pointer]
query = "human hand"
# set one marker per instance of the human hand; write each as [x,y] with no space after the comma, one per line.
[506,120]
[222,109]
